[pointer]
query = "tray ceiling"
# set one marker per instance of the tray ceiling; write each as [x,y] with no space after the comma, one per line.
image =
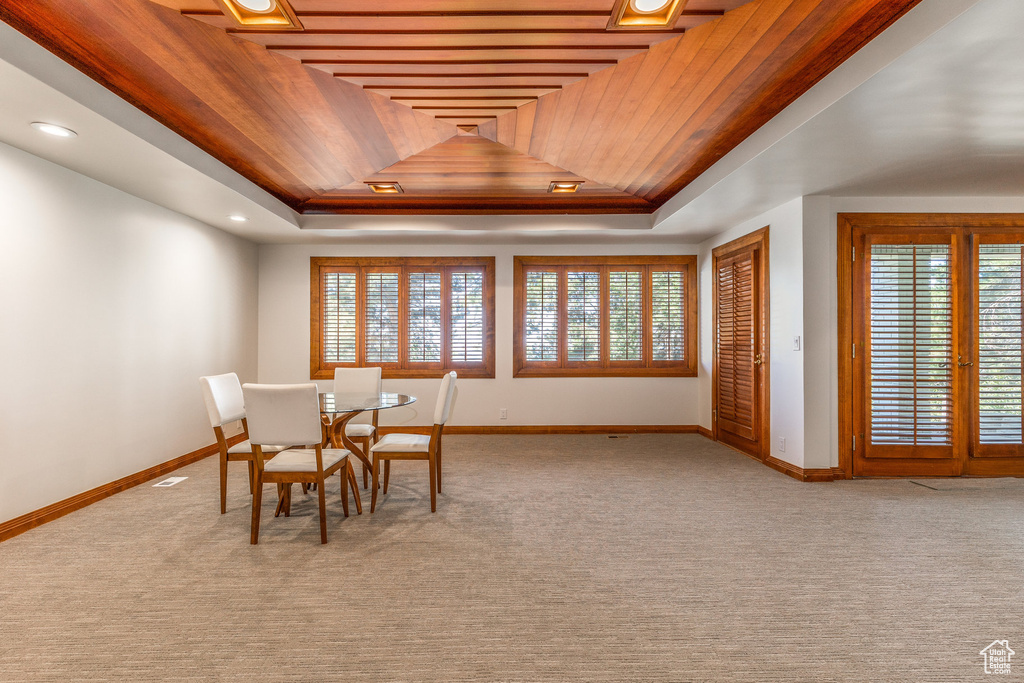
[470,106]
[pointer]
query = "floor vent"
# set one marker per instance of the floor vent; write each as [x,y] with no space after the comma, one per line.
[170,481]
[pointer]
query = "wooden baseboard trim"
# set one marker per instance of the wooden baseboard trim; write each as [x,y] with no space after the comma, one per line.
[550,429]
[705,432]
[801,474]
[20,525]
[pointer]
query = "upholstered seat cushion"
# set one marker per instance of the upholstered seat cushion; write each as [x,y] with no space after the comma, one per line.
[246,447]
[358,429]
[304,460]
[402,443]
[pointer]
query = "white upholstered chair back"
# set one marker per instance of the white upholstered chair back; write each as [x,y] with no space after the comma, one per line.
[283,413]
[445,398]
[358,381]
[224,400]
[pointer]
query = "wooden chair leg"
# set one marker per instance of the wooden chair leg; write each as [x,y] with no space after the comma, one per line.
[257,501]
[252,476]
[323,511]
[376,476]
[387,474]
[350,475]
[433,482]
[280,500]
[344,492]
[439,466]
[224,483]
[287,500]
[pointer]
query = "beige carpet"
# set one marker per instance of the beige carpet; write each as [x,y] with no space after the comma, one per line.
[652,558]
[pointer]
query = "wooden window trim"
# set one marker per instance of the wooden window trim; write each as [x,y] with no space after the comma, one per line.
[604,368]
[320,369]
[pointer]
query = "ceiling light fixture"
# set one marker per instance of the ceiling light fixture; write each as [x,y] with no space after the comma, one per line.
[386,187]
[54,130]
[632,15]
[256,5]
[238,218]
[564,185]
[262,14]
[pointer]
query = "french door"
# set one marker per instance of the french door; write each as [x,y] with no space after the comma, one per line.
[937,321]
[740,294]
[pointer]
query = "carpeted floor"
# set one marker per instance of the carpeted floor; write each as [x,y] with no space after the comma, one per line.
[564,558]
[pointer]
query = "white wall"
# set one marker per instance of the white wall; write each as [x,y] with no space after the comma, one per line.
[112,308]
[786,292]
[284,349]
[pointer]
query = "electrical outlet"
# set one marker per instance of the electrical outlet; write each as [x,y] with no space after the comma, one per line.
[796,343]
[503,413]
[782,444]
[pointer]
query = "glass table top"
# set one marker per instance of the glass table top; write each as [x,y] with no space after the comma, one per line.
[345,402]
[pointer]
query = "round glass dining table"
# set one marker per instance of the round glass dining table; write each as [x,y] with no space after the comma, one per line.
[341,407]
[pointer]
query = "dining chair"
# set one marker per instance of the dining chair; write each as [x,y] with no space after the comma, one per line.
[361,429]
[290,413]
[416,446]
[225,405]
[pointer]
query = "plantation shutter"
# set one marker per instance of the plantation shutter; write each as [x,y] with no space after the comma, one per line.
[668,315]
[467,316]
[910,316]
[1000,330]
[625,315]
[338,298]
[381,336]
[583,316]
[735,342]
[541,324]
[424,316]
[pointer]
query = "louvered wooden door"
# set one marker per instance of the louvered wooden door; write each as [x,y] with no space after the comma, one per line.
[740,346]
[937,324]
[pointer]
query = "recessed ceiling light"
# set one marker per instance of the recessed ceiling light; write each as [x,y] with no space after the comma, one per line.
[386,188]
[564,185]
[238,218]
[262,14]
[256,5]
[648,6]
[633,15]
[54,130]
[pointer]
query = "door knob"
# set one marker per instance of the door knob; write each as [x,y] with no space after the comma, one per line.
[962,364]
[757,359]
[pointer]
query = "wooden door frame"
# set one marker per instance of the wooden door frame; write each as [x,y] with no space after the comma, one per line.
[758,238]
[845,225]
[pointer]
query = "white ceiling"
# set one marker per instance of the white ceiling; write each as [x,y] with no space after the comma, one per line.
[932,107]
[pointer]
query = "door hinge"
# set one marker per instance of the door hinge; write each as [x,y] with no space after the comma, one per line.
[854,253]
[854,442]
[854,349]
[714,414]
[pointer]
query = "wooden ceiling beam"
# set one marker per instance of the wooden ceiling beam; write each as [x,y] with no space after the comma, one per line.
[455,62]
[498,46]
[513,74]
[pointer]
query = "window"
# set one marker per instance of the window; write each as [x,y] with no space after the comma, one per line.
[605,316]
[414,317]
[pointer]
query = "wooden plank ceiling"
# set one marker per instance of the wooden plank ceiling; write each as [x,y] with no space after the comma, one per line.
[473,106]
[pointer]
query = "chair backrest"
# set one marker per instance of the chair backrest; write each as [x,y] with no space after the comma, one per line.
[357,380]
[444,398]
[223,396]
[283,413]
